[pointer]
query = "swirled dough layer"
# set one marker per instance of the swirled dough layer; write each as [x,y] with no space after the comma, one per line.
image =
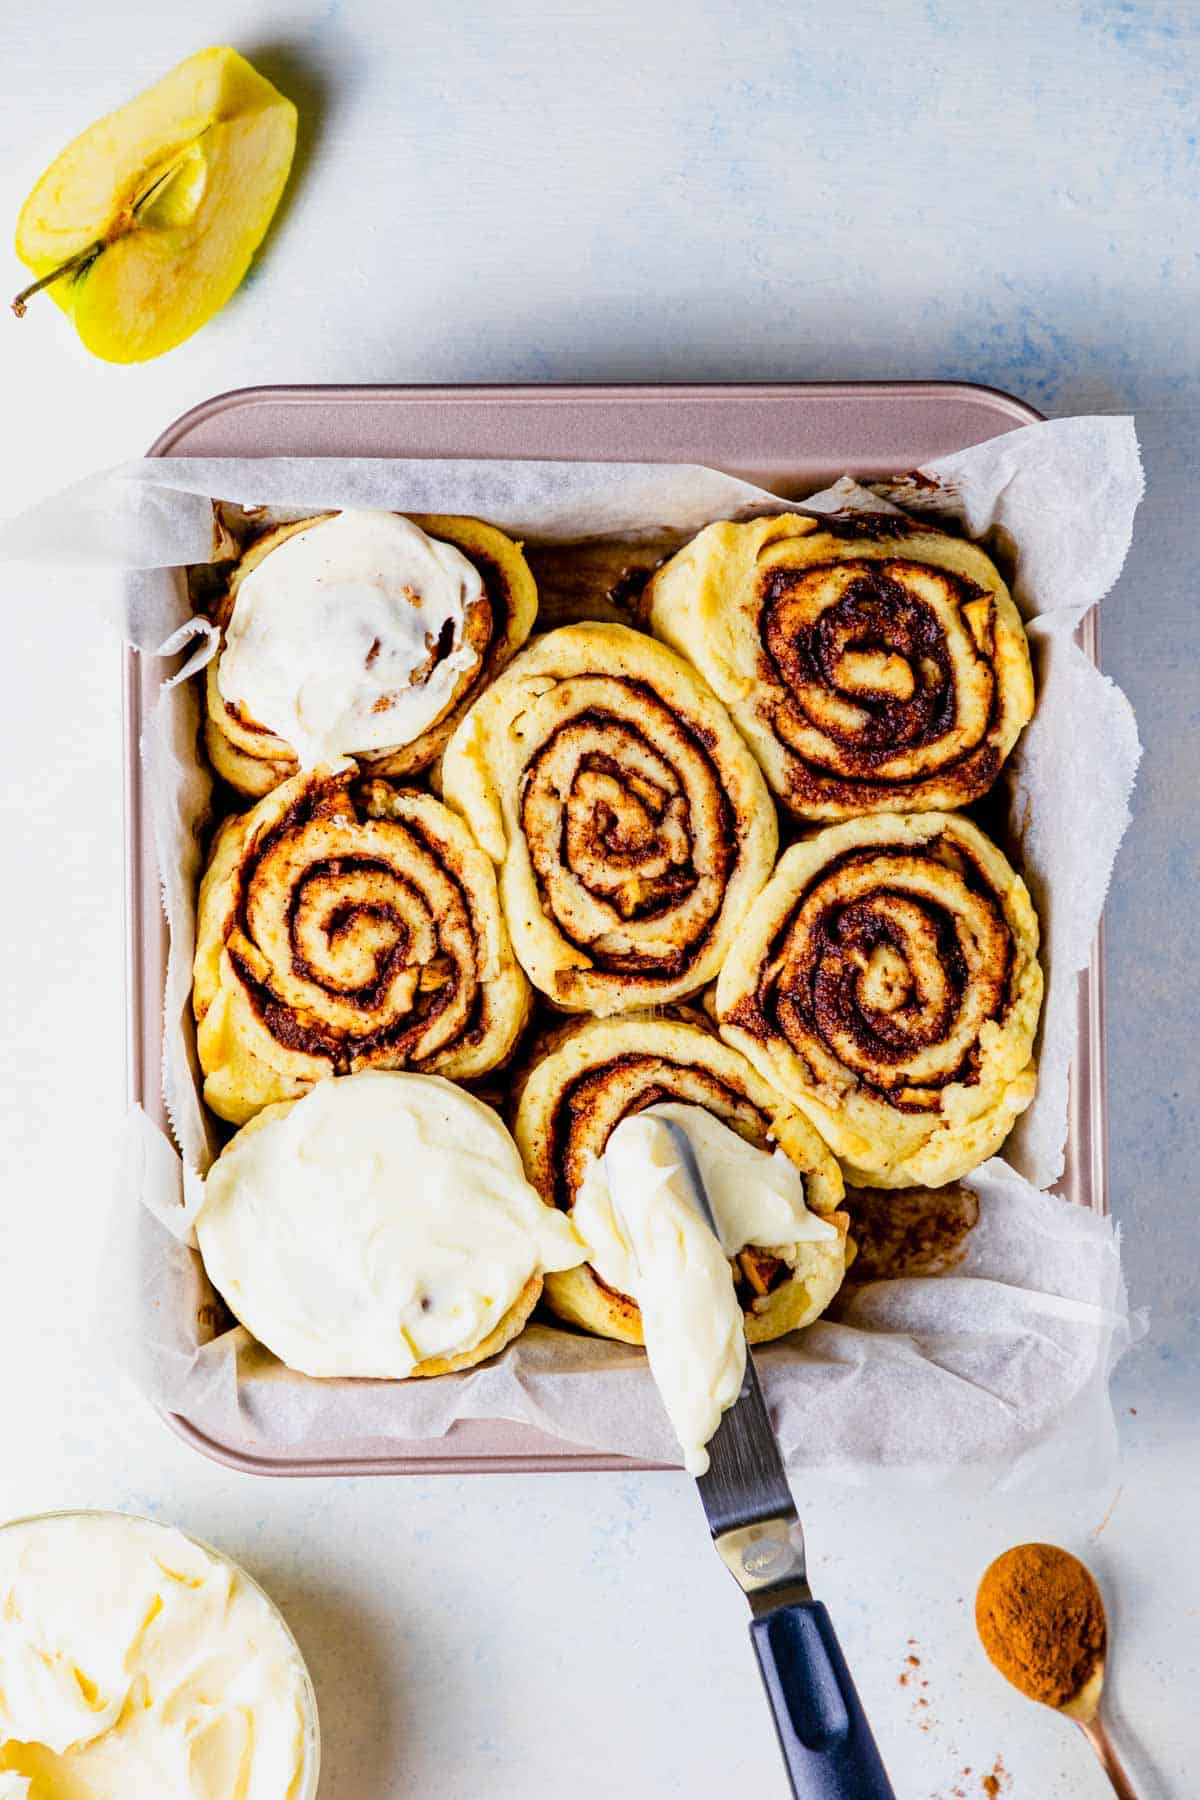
[630,824]
[584,1080]
[872,668]
[345,925]
[887,982]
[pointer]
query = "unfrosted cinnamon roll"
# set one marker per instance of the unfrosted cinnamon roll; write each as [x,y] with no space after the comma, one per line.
[887,982]
[871,665]
[630,823]
[359,634]
[346,924]
[584,1079]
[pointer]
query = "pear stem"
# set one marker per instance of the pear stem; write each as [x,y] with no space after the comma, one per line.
[127,223]
[35,287]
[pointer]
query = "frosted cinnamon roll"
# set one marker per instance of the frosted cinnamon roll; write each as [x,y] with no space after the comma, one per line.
[347,924]
[630,824]
[588,1077]
[871,669]
[887,982]
[379,1226]
[359,634]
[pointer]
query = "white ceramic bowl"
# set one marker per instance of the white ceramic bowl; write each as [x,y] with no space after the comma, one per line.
[312,1722]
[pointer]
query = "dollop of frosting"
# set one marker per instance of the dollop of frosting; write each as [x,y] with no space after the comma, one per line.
[134,1663]
[646,1238]
[382,1220]
[350,636]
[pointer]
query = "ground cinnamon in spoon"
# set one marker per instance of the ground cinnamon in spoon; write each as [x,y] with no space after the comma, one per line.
[1041,1620]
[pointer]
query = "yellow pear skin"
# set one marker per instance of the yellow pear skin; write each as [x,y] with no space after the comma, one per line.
[164,203]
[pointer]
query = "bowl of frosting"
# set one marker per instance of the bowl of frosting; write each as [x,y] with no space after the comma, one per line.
[137,1661]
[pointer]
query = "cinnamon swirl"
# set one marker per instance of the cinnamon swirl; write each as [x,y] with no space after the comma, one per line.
[872,667]
[631,825]
[887,982]
[359,634]
[584,1079]
[347,924]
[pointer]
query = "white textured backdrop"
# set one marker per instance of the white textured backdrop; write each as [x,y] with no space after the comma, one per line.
[630,191]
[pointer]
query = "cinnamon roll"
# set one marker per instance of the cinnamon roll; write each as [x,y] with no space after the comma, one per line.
[347,924]
[584,1079]
[872,665]
[887,982]
[359,634]
[379,1226]
[630,823]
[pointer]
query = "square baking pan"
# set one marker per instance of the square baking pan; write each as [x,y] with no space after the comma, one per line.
[793,438]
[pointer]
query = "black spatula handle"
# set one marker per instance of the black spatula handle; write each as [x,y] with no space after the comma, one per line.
[823,1731]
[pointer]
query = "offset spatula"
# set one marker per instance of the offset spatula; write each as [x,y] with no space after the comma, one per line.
[823,1730]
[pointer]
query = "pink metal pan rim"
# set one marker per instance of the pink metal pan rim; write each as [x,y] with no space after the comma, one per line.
[505,393]
[502,1446]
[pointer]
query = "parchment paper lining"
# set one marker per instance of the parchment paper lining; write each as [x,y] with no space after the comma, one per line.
[993,1375]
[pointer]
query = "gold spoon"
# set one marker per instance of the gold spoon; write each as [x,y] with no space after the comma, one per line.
[1041,1620]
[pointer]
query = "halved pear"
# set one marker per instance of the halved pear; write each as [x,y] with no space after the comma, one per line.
[144,226]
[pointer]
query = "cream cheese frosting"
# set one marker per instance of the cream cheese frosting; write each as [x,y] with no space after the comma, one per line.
[645,1238]
[381,1221]
[134,1663]
[350,636]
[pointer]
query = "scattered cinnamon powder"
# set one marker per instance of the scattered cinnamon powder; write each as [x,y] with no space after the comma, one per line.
[912,1662]
[911,1676]
[1041,1620]
[997,1781]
